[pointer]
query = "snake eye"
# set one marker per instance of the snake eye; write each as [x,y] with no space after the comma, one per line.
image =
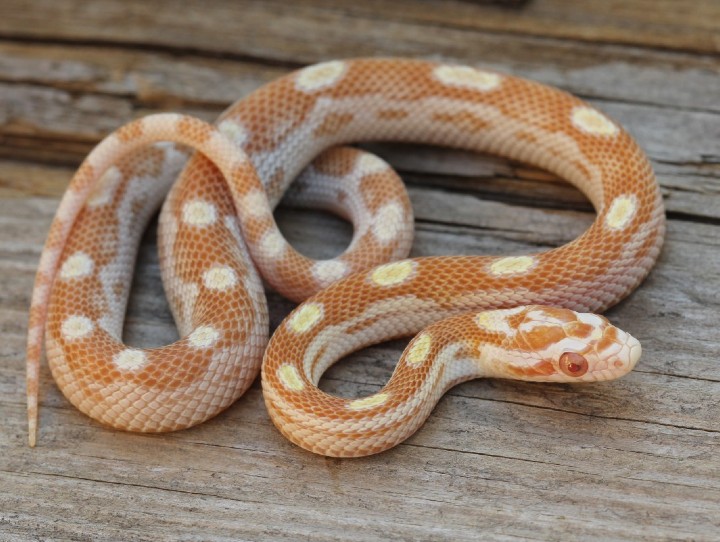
[573,364]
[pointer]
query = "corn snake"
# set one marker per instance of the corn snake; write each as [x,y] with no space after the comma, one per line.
[504,315]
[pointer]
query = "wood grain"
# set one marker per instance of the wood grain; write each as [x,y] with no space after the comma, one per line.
[634,459]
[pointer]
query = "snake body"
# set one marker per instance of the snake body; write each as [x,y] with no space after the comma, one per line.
[505,316]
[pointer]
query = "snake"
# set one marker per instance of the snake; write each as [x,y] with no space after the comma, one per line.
[529,317]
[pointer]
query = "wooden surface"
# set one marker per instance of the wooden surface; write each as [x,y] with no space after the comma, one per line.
[634,459]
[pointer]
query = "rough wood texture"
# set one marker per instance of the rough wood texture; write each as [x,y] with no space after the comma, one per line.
[634,459]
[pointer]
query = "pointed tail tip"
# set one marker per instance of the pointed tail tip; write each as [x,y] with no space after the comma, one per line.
[32,432]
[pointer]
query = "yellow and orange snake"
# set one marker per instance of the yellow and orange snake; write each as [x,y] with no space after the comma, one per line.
[507,317]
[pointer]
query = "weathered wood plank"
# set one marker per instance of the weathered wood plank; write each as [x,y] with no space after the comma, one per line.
[632,459]
[654,77]
[685,24]
[673,24]
[79,94]
[617,445]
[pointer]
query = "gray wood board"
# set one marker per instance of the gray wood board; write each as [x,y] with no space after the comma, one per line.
[632,459]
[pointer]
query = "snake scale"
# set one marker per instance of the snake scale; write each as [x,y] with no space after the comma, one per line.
[526,317]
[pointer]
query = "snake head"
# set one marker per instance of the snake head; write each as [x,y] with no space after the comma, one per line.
[561,345]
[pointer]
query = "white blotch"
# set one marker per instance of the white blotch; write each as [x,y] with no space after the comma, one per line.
[130,360]
[497,320]
[494,322]
[420,349]
[368,402]
[320,76]
[611,348]
[590,318]
[203,337]
[529,325]
[544,317]
[388,222]
[593,122]
[570,344]
[306,317]
[273,244]
[76,327]
[199,213]
[103,192]
[512,265]
[464,76]
[255,204]
[220,277]
[327,272]
[234,131]
[393,273]
[290,377]
[369,163]
[621,212]
[76,266]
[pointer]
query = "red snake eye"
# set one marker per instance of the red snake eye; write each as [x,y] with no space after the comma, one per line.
[573,364]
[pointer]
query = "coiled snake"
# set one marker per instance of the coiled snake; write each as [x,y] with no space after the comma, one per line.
[498,313]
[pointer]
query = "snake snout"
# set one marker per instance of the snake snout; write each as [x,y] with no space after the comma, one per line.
[635,351]
[628,354]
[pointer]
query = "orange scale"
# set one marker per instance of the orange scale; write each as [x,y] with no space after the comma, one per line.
[578,330]
[129,132]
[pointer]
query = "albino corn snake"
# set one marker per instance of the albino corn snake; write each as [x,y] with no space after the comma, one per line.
[219,214]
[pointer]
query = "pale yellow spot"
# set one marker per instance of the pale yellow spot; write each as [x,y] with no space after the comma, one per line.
[388,222]
[593,122]
[464,76]
[512,264]
[320,75]
[306,317]
[234,131]
[77,265]
[393,273]
[492,321]
[199,213]
[76,327]
[368,402]
[130,360]
[273,244]
[420,349]
[329,271]
[255,204]
[203,337]
[290,378]
[621,212]
[102,194]
[220,278]
[369,163]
